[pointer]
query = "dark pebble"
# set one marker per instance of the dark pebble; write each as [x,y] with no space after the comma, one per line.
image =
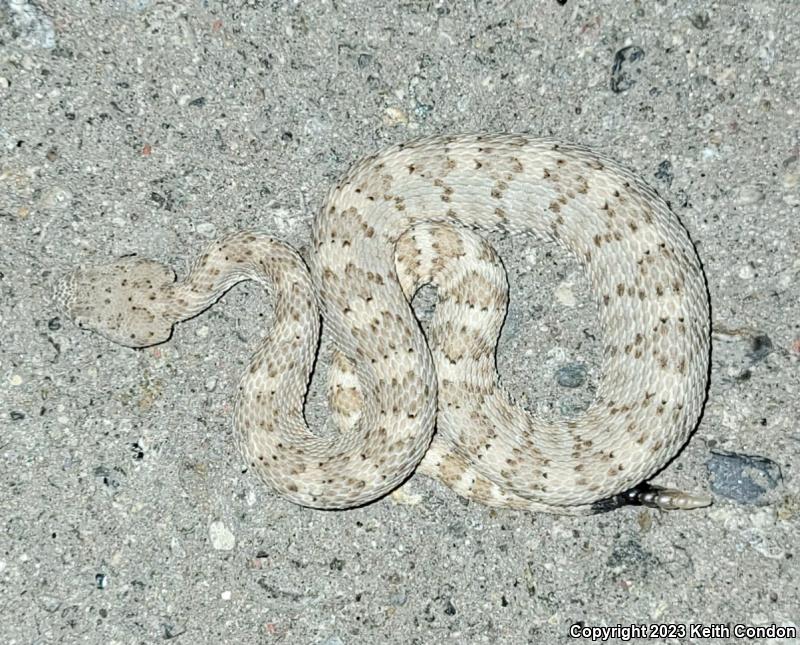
[760,348]
[626,68]
[137,450]
[17,416]
[198,102]
[112,477]
[423,110]
[571,375]
[629,553]
[700,20]
[101,580]
[336,564]
[54,324]
[664,172]
[743,478]
[171,631]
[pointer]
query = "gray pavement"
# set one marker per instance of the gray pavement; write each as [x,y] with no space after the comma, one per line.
[153,126]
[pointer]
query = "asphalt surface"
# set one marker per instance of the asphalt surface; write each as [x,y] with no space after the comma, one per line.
[126,515]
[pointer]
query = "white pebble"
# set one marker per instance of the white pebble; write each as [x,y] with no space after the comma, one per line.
[206,229]
[565,295]
[747,195]
[394,116]
[57,197]
[791,178]
[746,272]
[332,640]
[221,538]
[763,517]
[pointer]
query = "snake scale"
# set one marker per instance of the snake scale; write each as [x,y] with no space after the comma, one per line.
[408,216]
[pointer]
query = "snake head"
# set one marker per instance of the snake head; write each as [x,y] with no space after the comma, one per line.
[124,301]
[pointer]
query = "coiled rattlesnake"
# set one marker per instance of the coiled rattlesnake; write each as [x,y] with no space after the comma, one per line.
[401,219]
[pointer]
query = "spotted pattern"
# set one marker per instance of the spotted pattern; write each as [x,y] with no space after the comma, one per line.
[407,217]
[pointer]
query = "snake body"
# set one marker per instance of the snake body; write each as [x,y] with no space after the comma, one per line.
[408,216]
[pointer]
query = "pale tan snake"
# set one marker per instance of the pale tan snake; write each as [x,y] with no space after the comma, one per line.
[400,219]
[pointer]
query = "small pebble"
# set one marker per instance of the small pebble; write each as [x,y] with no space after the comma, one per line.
[760,347]
[664,172]
[791,178]
[571,375]
[49,603]
[332,640]
[423,110]
[206,229]
[565,295]
[15,380]
[746,272]
[626,68]
[747,195]
[709,153]
[32,27]
[113,477]
[57,197]
[394,116]
[743,478]
[137,450]
[221,538]
[398,599]
[700,20]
